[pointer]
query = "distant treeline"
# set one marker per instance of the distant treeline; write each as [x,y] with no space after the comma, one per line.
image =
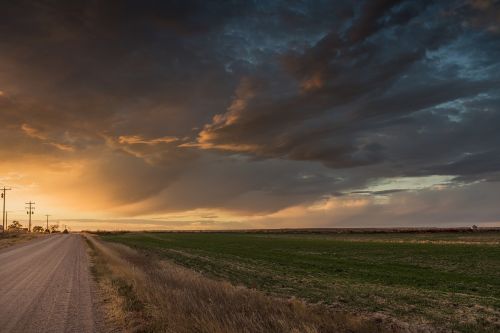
[324,230]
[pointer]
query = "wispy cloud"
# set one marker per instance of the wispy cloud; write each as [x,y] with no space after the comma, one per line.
[33,132]
[138,139]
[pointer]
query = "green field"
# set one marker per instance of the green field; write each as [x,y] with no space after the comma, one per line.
[447,280]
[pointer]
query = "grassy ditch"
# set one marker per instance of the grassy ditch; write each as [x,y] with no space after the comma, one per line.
[123,310]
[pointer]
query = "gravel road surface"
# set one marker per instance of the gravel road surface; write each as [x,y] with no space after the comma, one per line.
[45,286]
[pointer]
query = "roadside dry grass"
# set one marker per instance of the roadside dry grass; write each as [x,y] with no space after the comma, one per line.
[150,295]
[11,238]
[111,297]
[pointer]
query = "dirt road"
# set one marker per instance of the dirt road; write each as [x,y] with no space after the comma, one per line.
[45,286]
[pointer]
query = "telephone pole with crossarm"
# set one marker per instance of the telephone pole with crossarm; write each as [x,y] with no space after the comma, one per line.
[30,211]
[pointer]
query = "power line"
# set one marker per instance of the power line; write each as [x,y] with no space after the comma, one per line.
[4,222]
[30,212]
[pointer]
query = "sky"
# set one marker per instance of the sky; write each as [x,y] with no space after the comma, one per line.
[251,114]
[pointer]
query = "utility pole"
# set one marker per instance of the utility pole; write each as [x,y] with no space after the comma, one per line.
[3,212]
[30,212]
[47,215]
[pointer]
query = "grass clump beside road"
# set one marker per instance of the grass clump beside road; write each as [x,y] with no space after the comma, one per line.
[449,281]
[175,299]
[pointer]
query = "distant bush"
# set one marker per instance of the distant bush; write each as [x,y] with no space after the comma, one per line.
[15,226]
[37,228]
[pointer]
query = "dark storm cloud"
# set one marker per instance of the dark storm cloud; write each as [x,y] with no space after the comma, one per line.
[296,100]
[354,89]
